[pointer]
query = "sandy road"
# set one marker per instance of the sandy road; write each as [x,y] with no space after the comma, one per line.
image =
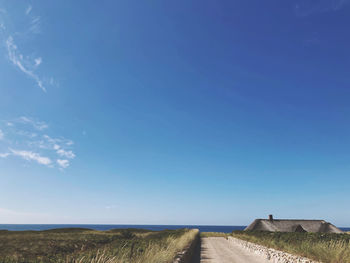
[219,250]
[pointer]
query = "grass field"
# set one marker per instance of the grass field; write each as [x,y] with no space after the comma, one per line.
[214,234]
[323,247]
[86,245]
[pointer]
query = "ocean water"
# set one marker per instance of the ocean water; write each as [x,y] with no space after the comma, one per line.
[36,227]
[17,227]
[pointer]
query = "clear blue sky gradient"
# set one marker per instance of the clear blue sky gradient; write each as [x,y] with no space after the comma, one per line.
[181,112]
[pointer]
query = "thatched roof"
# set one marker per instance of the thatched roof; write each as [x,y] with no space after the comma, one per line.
[292,225]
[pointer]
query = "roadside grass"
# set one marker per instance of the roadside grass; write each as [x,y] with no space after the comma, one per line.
[85,245]
[323,247]
[214,234]
[161,249]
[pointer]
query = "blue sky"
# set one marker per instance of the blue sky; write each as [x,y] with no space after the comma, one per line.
[174,112]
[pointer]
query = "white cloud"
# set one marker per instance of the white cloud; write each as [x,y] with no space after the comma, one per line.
[67,154]
[39,125]
[17,59]
[26,63]
[38,61]
[25,119]
[26,133]
[4,155]
[28,139]
[58,141]
[31,156]
[63,163]
[62,152]
[49,139]
[29,8]
[54,143]
[35,25]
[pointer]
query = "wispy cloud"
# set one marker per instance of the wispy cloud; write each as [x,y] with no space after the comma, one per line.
[4,155]
[15,41]
[61,152]
[57,142]
[2,24]
[67,154]
[35,25]
[305,8]
[28,9]
[38,61]
[31,156]
[63,163]
[28,139]
[39,125]
[17,59]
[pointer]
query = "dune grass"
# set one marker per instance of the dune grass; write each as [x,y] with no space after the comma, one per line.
[323,247]
[163,249]
[214,234]
[85,245]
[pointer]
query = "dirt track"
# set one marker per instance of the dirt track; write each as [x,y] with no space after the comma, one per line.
[219,250]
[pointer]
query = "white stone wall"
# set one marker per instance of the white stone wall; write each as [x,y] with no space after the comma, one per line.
[273,255]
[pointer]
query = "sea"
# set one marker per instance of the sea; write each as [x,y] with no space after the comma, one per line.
[202,228]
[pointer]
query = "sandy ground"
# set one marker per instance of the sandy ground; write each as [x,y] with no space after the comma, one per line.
[219,250]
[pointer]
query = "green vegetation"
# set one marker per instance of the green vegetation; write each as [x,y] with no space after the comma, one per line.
[323,247]
[85,245]
[214,234]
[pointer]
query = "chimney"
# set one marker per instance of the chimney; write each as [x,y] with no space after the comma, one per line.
[270,217]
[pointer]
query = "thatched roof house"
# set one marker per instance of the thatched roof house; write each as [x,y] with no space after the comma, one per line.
[292,225]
